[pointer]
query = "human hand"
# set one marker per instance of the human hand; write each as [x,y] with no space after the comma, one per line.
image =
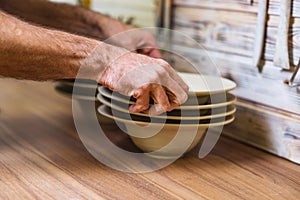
[140,76]
[143,78]
[131,38]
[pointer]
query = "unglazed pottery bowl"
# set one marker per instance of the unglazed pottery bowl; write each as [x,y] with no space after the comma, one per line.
[167,140]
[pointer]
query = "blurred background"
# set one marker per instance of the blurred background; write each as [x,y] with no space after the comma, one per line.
[140,13]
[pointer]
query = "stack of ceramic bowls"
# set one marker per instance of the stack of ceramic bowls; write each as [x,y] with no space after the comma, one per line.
[209,105]
[82,90]
[84,93]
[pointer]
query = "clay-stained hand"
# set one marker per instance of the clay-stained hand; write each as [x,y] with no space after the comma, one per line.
[143,78]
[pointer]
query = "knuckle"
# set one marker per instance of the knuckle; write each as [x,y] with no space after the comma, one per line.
[162,72]
[167,108]
[186,88]
[153,80]
[163,62]
[159,108]
[145,88]
[154,87]
[141,107]
[183,98]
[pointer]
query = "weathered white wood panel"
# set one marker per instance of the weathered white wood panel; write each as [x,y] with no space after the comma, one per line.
[266,128]
[237,5]
[232,32]
[269,117]
[266,88]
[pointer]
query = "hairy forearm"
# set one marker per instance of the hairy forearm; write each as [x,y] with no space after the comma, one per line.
[60,16]
[32,52]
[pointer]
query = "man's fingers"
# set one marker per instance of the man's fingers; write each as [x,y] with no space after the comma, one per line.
[167,96]
[152,52]
[142,96]
[176,93]
[155,53]
[164,99]
[161,100]
[174,75]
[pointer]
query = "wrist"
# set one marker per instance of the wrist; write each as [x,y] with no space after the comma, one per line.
[99,59]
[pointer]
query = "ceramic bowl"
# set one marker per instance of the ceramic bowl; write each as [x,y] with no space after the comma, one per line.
[84,83]
[81,101]
[175,114]
[206,85]
[85,115]
[66,91]
[161,140]
[192,100]
[201,88]
[202,102]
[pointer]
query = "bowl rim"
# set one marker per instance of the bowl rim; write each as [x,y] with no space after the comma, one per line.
[101,110]
[200,78]
[202,117]
[78,84]
[231,99]
[76,96]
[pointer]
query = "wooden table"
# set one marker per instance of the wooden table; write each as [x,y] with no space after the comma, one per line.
[42,158]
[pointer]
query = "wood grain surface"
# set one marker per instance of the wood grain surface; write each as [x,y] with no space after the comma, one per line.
[41,157]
